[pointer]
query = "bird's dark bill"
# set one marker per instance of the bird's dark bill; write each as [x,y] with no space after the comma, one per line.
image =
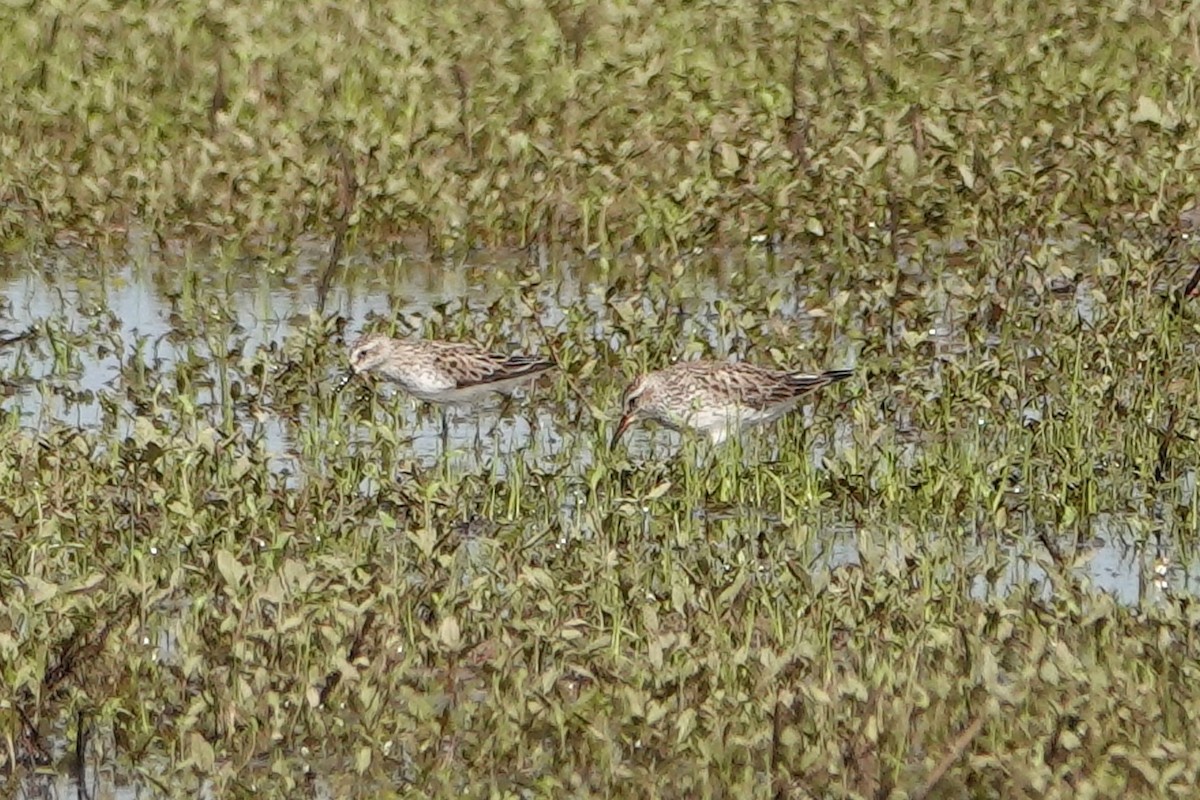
[622,426]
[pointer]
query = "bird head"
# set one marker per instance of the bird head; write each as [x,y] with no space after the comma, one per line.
[633,404]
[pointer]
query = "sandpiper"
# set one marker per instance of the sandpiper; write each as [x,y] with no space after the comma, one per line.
[441,372]
[717,397]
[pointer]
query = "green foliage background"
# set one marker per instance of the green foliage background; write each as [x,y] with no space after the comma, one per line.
[594,122]
[1017,172]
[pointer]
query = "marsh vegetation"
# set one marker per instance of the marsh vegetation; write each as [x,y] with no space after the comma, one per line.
[969,571]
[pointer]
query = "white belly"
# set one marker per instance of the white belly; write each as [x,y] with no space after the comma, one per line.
[433,388]
[719,423]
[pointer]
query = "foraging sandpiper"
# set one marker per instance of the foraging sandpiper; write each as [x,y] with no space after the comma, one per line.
[441,372]
[717,397]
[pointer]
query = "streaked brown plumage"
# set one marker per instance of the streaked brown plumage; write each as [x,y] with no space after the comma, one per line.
[441,372]
[717,397]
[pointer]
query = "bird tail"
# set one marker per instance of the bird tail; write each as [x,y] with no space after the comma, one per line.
[527,365]
[835,375]
[805,382]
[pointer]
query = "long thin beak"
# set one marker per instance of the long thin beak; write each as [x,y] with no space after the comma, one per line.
[622,426]
[345,381]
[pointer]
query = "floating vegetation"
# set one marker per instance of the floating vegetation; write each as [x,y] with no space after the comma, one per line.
[220,572]
[969,569]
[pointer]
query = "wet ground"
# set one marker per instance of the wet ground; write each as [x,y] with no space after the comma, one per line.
[75,324]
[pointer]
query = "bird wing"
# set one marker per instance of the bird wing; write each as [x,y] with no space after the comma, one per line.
[756,387]
[473,366]
[761,388]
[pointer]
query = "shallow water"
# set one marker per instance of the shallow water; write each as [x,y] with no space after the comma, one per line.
[128,311]
[140,308]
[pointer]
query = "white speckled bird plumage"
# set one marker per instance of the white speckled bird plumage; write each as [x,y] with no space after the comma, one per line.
[718,397]
[442,372]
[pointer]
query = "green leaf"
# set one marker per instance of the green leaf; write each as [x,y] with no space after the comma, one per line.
[230,568]
[362,761]
[39,591]
[202,755]
[449,633]
[1147,111]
